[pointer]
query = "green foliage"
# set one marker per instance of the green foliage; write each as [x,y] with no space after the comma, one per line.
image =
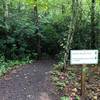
[70,98]
[65,98]
[5,66]
[18,30]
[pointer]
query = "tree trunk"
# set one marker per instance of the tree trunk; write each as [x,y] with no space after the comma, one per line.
[74,24]
[6,11]
[93,34]
[37,29]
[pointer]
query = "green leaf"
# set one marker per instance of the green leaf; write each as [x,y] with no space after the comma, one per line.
[65,98]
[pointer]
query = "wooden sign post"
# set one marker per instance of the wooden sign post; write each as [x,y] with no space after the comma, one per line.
[83,75]
[83,57]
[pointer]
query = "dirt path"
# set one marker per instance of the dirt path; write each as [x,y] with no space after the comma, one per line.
[31,82]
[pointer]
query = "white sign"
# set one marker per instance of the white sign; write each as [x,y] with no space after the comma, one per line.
[84,57]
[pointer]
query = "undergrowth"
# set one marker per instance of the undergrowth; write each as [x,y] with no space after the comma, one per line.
[7,65]
[68,83]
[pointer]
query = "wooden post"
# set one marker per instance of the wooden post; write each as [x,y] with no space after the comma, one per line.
[83,82]
[84,57]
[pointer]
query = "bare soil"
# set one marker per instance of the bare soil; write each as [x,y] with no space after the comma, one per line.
[30,82]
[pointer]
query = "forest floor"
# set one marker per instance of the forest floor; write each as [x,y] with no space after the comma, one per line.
[30,82]
[69,82]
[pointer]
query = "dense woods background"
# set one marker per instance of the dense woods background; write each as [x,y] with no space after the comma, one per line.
[34,27]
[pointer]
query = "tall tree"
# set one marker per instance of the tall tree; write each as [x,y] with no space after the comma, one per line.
[93,34]
[6,11]
[74,24]
[38,37]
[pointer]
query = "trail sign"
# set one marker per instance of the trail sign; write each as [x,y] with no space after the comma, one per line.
[84,57]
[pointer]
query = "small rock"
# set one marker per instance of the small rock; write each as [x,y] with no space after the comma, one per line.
[26,77]
[17,75]
[28,96]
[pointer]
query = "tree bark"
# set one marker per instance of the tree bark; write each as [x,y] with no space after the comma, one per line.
[6,11]
[74,24]
[37,29]
[93,34]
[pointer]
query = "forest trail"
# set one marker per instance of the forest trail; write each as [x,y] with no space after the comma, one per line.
[30,82]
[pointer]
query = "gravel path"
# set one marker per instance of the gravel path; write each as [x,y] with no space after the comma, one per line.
[30,82]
